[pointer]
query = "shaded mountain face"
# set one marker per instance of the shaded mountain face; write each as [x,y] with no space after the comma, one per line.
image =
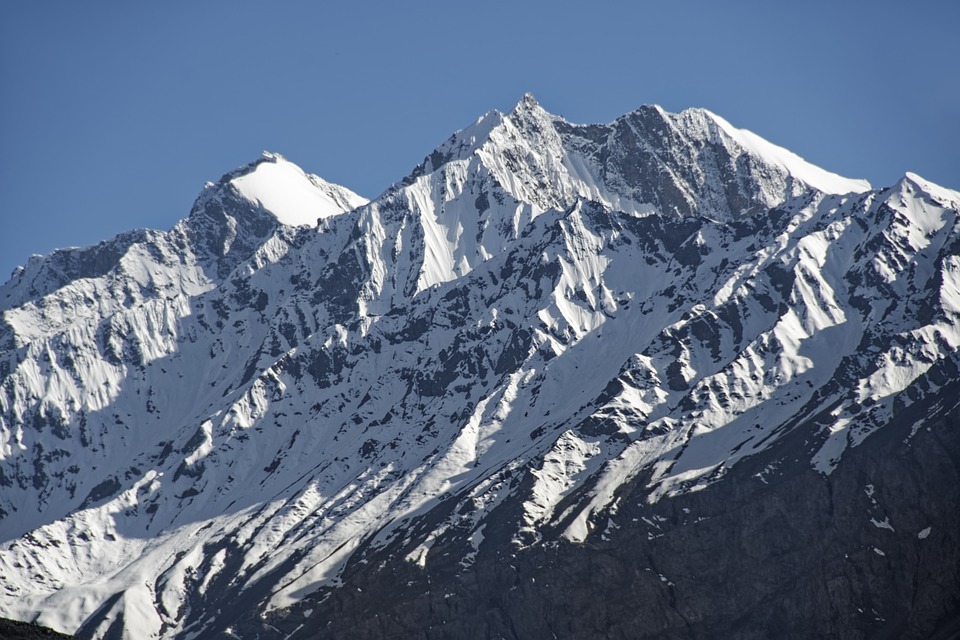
[653,378]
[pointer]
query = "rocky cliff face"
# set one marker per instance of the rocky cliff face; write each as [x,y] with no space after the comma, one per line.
[658,377]
[867,552]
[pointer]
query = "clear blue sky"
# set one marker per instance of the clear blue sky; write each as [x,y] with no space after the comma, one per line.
[114,114]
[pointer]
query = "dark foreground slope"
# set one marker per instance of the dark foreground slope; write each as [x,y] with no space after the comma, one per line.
[870,551]
[13,630]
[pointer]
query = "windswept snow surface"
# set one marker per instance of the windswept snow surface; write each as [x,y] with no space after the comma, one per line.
[293,196]
[542,312]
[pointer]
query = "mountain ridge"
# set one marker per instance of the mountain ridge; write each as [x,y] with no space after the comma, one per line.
[218,421]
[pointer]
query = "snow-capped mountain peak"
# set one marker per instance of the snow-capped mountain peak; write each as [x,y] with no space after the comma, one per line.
[694,162]
[913,183]
[540,350]
[793,164]
[294,197]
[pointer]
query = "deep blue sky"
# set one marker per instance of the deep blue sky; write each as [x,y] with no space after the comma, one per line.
[114,114]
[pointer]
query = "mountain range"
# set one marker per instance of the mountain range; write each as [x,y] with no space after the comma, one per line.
[653,378]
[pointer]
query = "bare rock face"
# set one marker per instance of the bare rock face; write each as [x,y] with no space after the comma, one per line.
[868,552]
[656,378]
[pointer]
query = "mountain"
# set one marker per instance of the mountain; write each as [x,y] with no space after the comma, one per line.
[655,378]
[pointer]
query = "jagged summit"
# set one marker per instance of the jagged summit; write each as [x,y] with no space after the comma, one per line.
[690,163]
[564,375]
[527,104]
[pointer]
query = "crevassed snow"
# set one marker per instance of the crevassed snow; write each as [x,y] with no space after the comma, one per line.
[294,197]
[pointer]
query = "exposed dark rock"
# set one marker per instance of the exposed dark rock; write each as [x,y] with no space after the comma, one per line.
[776,550]
[13,630]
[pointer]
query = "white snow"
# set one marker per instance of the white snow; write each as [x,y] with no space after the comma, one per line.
[795,165]
[884,524]
[245,413]
[291,195]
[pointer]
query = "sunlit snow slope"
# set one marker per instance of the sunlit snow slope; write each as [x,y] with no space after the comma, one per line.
[202,426]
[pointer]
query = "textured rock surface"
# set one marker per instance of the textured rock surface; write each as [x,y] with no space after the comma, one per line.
[653,377]
[799,556]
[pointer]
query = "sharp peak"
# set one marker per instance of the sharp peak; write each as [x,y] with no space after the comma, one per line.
[758,146]
[912,181]
[916,180]
[465,141]
[651,106]
[688,114]
[271,156]
[528,104]
[527,100]
[265,157]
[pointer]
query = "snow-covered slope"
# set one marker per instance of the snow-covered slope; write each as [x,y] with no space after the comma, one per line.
[201,428]
[293,196]
[792,163]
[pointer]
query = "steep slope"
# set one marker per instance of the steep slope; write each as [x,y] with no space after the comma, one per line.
[546,343]
[294,197]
